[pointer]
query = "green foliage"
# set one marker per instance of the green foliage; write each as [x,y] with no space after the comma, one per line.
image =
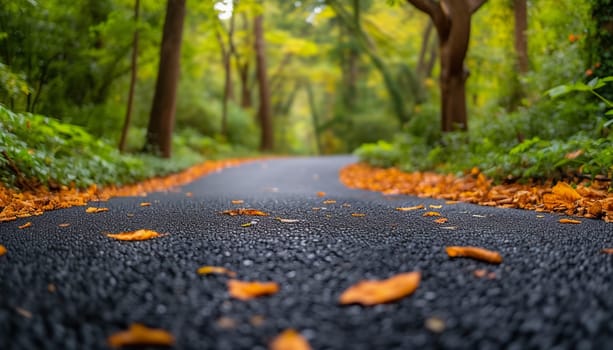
[38,150]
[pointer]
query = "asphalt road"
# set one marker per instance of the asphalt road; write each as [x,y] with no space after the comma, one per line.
[71,287]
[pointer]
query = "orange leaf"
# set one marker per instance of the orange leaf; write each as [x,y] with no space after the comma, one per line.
[218,270]
[417,207]
[93,210]
[573,155]
[569,221]
[289,340]
[431,213]
[238,201]
[2,250]
[565,192]
[243,211]
[475,253]
[358,215]
[329,201]
[64,225]
[248,290]
[605,250]
[433,206]
[287,221]
[321,194]
[26,225]
[372,292]
[145,204]
[138,334]
[138,235]
[441,220]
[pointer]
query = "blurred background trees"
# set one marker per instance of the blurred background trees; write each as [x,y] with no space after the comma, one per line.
[310,76]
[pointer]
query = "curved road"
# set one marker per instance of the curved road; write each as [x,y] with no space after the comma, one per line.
[71,287]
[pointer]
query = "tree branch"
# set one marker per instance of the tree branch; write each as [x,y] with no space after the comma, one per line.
[474,5]
[427,6]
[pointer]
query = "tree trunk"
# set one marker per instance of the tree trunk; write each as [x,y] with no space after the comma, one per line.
[134,68]
[451,19]
[264,110]
[162,117]
[521,41]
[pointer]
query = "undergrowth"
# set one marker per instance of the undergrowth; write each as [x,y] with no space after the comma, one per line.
[37,150]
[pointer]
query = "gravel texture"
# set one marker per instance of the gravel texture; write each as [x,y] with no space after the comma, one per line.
[72,287]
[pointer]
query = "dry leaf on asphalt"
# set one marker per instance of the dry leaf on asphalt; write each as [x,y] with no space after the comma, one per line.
[358,215]
[565,192]
[372,292]
[321,194]
[247,290]
[441,220]
[431,213]
[569,221]
[287,221]
[145,204]
[138,235]
[329,201]
[477,253]
[2,250]
[417,207]
[26,225]
[139,334]
[237,201]
[217,270]
[605,250]
[64,225]
[433,206]
[243,211]
[93,210]
[289,340]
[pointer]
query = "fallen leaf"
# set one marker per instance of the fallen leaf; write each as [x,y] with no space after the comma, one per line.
[358,215]
[51,288]
[23,312]
[329,201]
[26,225]
[321,194]
[188,194]
[289,340]
[452,202]
[480,273]
[479,216]
[605,250]
[257,320]
[372,292]
[138,235]
[226,322]
[93,210]
[243,211]
[217,270]
[569,221]
[435,206]
[139,334]
[431,213]
[573,155]
[2,250]
[286,221]
[441,220]
[247,224]
[247,290]
[417,207]
[540,216]
[565,192]
[475,253]
[145,204]
[316,208]
[64,225]
[449,227]
[237,201]
[346,205]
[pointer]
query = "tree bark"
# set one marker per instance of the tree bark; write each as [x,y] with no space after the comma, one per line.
[520,9]
[162,117]
[451,19]
[264,110]
[134,68]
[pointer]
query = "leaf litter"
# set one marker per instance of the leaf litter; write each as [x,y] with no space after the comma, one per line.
[138,235]
[244,290]
[289,339]
[589,199]
[140,335]
[477,253]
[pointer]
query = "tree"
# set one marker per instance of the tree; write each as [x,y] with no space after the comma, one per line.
[520,8]
[126,124]
[264,110]
[162,117]
[451,19]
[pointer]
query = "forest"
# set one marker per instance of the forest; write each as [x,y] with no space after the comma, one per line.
[115,91]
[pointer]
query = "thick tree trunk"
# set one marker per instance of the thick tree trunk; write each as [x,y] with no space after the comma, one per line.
[451,19]
[264,110]
[133,71]
[521,41]
[162,117]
